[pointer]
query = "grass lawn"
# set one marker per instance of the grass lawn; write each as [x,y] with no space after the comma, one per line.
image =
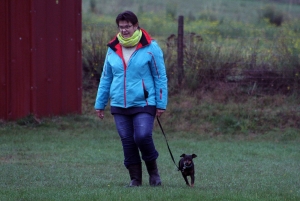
[80,158]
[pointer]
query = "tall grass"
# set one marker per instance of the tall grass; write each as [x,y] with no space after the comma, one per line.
[225,112]
[221,9]
[246,46]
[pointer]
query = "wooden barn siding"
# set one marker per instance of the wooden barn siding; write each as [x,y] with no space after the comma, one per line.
[4,37]
[41,49]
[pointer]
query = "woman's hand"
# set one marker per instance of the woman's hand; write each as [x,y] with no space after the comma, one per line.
[159,112]
[100,113]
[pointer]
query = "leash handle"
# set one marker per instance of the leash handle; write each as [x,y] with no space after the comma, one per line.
[162,130]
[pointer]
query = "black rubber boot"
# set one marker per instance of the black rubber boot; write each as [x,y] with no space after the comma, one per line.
[154,178]
[135,172]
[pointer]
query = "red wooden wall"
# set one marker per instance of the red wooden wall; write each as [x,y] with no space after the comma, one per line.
[40,54]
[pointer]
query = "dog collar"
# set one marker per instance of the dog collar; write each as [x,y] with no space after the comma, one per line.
[186,167]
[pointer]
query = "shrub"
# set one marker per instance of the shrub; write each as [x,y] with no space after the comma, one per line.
[272,15]
[94,50]
[252,60]
[203,62]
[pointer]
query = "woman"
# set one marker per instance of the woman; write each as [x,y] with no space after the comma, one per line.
[134,79]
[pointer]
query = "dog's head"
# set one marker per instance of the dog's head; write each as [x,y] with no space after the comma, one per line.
[187,159]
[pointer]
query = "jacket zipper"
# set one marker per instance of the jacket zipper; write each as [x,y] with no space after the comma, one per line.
[125,67]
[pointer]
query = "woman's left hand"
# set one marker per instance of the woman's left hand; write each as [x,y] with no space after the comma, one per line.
[159,112]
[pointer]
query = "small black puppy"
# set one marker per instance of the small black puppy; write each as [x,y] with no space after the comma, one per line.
[186,166]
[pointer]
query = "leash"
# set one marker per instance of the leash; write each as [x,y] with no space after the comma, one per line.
[162,130]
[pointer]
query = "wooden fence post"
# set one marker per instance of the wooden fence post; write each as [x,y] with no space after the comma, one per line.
[180,51]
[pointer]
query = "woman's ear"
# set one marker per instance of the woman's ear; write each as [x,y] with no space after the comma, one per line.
[136,26]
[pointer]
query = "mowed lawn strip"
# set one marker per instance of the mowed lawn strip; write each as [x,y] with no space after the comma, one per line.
[80,158]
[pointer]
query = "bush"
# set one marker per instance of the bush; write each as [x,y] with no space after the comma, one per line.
[253,60]
[272,15]
[203,65]
[94,48]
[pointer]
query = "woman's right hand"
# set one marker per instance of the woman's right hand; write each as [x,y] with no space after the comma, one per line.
[100,113]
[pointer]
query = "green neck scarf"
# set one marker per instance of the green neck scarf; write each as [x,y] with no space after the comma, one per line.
[132,41]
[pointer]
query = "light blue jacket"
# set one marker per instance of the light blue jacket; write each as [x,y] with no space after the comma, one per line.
[142,82]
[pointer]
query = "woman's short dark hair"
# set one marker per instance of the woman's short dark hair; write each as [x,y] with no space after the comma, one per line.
[127,16]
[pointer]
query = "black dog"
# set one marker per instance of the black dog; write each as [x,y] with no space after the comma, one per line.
[186,166]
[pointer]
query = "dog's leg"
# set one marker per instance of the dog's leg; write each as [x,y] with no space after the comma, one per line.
[192,180]
[186,180]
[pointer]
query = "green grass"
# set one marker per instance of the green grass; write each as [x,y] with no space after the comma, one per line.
[80,158]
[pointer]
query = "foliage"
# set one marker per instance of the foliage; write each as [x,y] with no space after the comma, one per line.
[272,15]
[224,111]
[254,53]
[95,38]
[29,120]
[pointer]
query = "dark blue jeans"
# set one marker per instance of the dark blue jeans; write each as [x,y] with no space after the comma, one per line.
[135,132]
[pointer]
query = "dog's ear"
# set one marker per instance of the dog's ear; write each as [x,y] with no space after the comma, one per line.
[194,155]
[182,155]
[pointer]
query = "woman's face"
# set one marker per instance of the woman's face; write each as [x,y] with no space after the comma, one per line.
[126,28]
